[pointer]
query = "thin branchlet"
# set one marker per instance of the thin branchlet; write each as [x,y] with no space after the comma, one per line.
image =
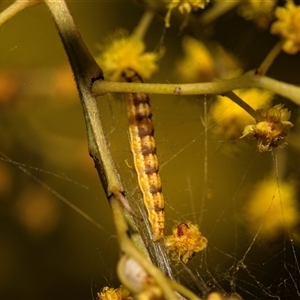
[15,8]
[247,80]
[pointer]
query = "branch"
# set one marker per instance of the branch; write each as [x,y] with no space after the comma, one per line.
[247,80]
[269,59]
[86,71]
[15,8]
[127,247]
[217,10]
[141,29]
[244,105]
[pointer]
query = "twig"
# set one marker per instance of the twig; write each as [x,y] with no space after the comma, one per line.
[127,247]
[144,23]
[219,8]
[286,90]
[218,87]
[245,106]
[266,64]
[247,80]
[85,71]
[15,8]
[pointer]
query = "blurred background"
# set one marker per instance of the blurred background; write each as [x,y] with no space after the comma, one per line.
[49,251]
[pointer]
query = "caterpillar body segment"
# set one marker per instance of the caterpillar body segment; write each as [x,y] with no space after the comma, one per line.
[144,154]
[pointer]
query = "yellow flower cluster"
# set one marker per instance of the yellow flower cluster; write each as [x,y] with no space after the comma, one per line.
[184,7]
[230,118]
[222,296]
[199,65]
[121,293]
[261,12]
[185,241]
[272,209]
[271,131]
[288,27]
[127,52]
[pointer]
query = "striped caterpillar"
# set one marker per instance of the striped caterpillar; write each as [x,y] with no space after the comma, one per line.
[144,155]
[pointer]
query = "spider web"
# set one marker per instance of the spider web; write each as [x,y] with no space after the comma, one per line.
[206,180]
[236,260]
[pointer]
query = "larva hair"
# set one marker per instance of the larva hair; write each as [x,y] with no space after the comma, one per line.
[144,155]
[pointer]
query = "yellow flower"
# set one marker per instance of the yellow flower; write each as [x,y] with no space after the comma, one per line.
[271,209]
[222,296]
[261,12]
[185,241]
[199,65]
[231,118]
[184,7]
[288,27]
[121,293]
[271,131]
[127,52]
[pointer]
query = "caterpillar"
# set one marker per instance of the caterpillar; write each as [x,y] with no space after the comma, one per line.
[144,154]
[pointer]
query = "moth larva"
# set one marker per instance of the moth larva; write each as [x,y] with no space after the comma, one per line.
[144,154]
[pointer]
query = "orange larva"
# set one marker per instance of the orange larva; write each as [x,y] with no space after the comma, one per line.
[144,155]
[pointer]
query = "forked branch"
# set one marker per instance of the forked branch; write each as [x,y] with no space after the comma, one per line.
[86,71]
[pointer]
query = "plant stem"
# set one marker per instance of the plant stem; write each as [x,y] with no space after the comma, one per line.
[245,106]
[143,25]
[128,247]
[219,8]
[15,8]
[266,64]
[286,90]
[218,87]
[247,80]
[85,71]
